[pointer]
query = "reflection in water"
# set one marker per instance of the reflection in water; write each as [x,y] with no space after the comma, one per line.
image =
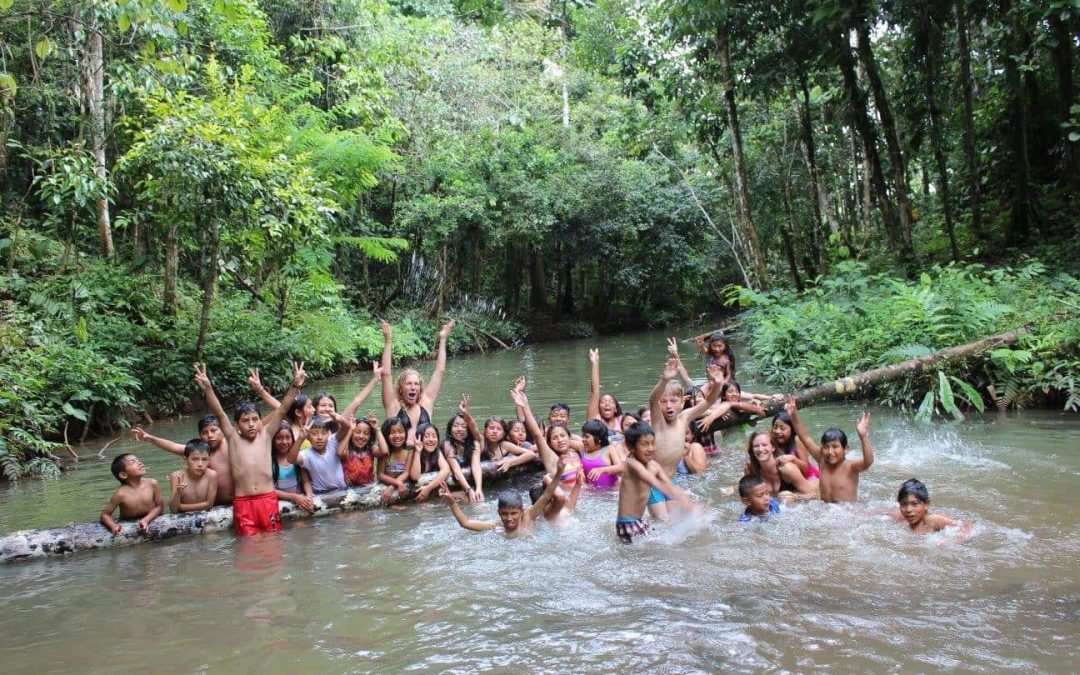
[822,586]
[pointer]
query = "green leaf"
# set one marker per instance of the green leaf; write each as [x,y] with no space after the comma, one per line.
[178,5]
[1074,136]
[926,408]
[969,394]
[945,393]
[6,4]
[74,412]
[8,86]
[43,48]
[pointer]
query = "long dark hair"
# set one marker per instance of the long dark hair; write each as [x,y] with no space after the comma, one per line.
[429,461]
[470,443]
[275,468]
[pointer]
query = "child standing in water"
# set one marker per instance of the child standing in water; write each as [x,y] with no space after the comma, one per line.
[718,353]
[554,446]
[603,408]
[513,517]
[783,431]
[601,463]
[839,475]
[914,501]
[642,475]
[193,487]
[137,497]
[393,470]
[210,432]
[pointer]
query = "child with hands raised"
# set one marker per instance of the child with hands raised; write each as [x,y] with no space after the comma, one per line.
[839,475]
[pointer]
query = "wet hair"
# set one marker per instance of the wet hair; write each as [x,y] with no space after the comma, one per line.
[641,412]
[469,446]
[784,417]
[716,336]
[635,433]
[391,422]
[429,461]
[497,420]
[404,375]
[509,500]
[243,409]
[553,427]
[196,445]
[118,464]
[560,406]
[323,422]
[510,424]
[536,492]
[297,408]
[618,406]
[834,434]
[732,384]
[317,398]
[755,465]
[913,487]
[634,416]
[689,393]
[371,436]
[747,484]
[597,430]
[209,420]
[673,386]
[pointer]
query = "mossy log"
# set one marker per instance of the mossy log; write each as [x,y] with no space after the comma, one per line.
[859,385]
[75,538]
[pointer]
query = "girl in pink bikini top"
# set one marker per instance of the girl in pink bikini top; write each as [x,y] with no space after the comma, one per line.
[599,461]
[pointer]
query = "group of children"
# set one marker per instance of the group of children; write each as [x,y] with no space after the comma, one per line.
[304,446]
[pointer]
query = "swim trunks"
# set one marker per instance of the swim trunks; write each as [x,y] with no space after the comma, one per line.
[253,514]
[655,496]
[629,528]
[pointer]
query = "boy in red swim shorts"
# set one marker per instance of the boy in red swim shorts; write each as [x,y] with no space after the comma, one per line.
[255,507]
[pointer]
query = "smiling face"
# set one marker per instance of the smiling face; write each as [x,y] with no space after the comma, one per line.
[559,416]
[410,387]
[559,440]
[248,425]
[762,449]
[396,437]
[833,453]
[913,510]
[326,407]
[645,449]
[758,501]
[590,442]
[733,395]
[197,462]
[430,439]
[781,432]
[609,407]
[283,441]
[319,438]
[511,518]
[717,347]
[211,434]
[459,431]
[361,435]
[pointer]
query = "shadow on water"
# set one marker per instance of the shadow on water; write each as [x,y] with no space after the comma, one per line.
[822,586]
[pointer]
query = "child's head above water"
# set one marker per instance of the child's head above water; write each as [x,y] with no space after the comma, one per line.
[283,439]
[246,417]
[671,400]
[429,436]
[396,431]
[494,429]
[913,488]
[558,438]
[510,510]
[833,445]
[196,445]
[755,494]
[319,430]
[197,456]
[559,414]
[731,392]
[641,441]
[517,432]
[597,432]
[692,396]
[126,465]
[301,409]
[210,430]
[717,343]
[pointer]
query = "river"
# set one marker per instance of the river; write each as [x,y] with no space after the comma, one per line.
[406,589]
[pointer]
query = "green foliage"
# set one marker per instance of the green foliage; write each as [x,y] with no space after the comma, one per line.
[854,321]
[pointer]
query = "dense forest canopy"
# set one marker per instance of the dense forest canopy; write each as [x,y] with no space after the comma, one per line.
[244,181]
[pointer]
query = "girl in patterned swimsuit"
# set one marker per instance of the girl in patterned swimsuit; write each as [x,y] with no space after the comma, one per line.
[393,469]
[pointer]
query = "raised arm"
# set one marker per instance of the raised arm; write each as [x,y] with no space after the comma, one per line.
[547,455]
[431,391]
[673,350]
[165,444]
[345,427]
[273,420]
[256,385]
[463,520]
[593,411]
[537,509]
[670,370]
[361,396]
[863,429]
[203,382]
[390,402]
[800,430]
[298,443]
[716,379]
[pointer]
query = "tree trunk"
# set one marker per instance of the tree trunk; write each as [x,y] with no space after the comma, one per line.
[1020,170]
[172,265]
[746,218]
[60,541]
[94,76]
[892,141]
[210,277]
[789,246]
[931,49]
[809,152]
[860,120]
[566,300]
[1063,65]
[857,386]
[537,282]
[966,86]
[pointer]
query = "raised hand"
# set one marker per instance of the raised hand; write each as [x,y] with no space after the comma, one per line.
[447,327]
[178,480]
[790,406]
[376,370]
[863,425]
[594,356]
[519,398]
[299,376]
[519,383]
[254,380]
[673,347]
[385,328]
[372,421]
[717,375]
[139,434]
[671,369]
[201,378]
[464,405]
[305,429]
[700,342]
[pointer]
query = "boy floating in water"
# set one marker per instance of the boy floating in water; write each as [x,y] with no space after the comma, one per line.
[255,508]
[194,487]
[137,497]
[642,476]
[513,517]
[756,494]
[914,501]
[839,475]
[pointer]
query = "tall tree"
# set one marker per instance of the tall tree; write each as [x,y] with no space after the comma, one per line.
[966,81]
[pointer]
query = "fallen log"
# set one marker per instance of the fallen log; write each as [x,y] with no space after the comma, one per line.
[857,385]
[79,537]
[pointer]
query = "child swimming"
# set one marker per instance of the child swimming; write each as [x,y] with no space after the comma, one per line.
[513,518]
[839,475]
[914,510]
[757,496]
[137,497]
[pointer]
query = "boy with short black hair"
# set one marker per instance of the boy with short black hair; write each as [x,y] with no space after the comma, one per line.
[642,476]
[756,494]
[914,502]
[137,497]
[513,517]
[210,432]
[194,487]
[839,475]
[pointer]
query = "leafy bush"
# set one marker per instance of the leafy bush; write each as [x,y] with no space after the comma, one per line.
[854,321]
